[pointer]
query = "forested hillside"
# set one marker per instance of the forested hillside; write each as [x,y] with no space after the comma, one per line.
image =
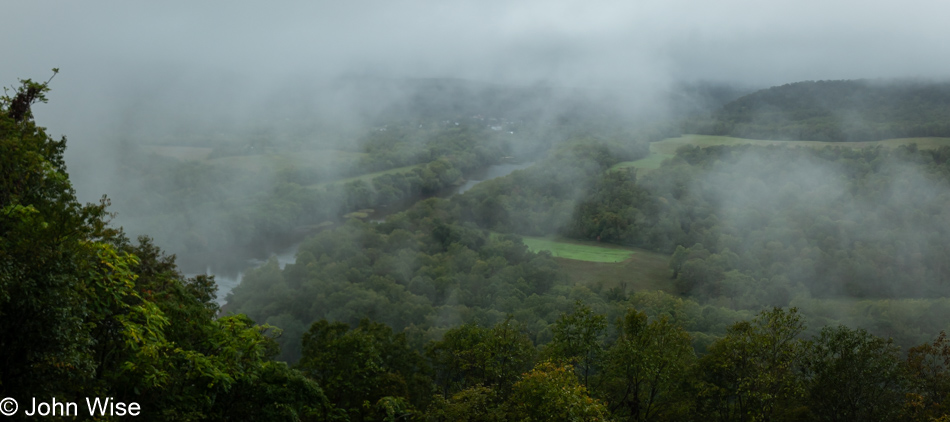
[798,279]
[236,195]
[837,222]
[84,312]
[476,211]
[838,111]
[240,200]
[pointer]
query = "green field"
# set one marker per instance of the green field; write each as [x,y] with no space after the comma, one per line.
[366,177]
[666,149]
[644,270]
[313,159]
[323,160]
[179,153]
[329,161]
[606,265]
[651,162]
[360,215]
[670,145]
[578,250]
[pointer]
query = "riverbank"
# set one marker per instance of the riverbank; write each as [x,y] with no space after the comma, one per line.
[228,266]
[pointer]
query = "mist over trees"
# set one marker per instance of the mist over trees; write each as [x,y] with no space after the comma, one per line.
[346,171]
[835,111]
[801,284]
[237,194]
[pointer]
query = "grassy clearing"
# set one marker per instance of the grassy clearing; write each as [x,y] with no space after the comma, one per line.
[366,177]
[254,163]
[179,153]
[314,159]
[922,143]
[326,161]
[318,159]
[666,149]
[603,264]
[644,270]
[651,162]
[670,145]
[577,250]
[361,214]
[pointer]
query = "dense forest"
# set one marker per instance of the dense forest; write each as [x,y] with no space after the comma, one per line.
[221,206]
[274,183]
[745,227]
[836,111]
[803,283]
[836,222]
[85,312]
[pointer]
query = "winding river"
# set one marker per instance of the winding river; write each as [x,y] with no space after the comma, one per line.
[229,275]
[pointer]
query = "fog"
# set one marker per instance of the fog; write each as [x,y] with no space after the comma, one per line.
[138,73]
[441,168]
[213,61]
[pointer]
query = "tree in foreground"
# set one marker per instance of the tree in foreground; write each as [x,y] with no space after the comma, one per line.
[578,338]
[928,374]
[551,392]
[752,373]
[84,313]
[647,369]
[46,252]
[854,376]
[470,356]
[368,372]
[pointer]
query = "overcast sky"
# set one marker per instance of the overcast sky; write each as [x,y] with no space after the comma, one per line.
[568,41]
[107,50]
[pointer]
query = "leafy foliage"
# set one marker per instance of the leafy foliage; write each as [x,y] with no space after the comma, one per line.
[471,356]
[578,339]
[854,376]
[47,242]
[364,366]
[646,371]
[81,315]
[552,392]
[750,374]
[422,268]
[427,316]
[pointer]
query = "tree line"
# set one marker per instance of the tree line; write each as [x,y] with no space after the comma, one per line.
[637,368]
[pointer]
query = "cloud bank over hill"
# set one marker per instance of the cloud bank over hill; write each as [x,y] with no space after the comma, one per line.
[166,68]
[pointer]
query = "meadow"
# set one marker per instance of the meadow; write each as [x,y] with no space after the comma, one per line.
[179,153]
[331,164]
[606,265]
[328,161]
[642,271]
[368,177]
[315,160]
[652,161]
[670,145]
[666,149]
[578,250]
